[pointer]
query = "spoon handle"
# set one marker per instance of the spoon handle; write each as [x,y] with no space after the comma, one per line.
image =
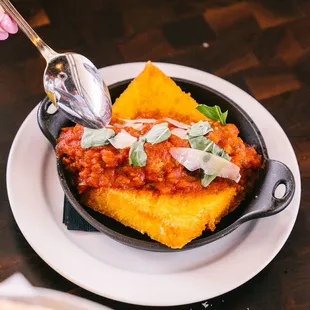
[43,48]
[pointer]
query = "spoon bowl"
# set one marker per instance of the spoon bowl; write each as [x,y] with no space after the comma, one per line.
[73,84]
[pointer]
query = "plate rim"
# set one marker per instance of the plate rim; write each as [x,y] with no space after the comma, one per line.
[137,67]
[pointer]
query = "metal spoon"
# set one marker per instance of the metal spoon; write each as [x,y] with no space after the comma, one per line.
[70,80]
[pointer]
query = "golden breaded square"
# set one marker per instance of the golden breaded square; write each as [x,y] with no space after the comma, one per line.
[173,220]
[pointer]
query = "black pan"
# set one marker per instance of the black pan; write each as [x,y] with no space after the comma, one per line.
[261,202]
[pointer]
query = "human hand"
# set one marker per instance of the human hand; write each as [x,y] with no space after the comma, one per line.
[7,25]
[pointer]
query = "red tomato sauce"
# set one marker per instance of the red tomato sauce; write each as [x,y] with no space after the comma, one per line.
[105,166]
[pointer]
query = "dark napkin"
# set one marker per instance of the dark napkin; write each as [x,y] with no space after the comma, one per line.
[73,220]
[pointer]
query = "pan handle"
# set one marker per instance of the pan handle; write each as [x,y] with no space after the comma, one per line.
[50,123]
[264,202]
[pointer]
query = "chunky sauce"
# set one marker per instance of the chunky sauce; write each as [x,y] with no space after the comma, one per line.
[105,166]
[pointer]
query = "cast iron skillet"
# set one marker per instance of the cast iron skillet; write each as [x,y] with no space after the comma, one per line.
[261,202]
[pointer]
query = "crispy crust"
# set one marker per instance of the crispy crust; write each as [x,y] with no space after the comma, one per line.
[173,220]
[153,93]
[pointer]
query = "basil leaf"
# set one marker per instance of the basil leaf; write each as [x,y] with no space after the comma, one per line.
[214,113]
[96,137]
[220,152]
[200,143]
[204,144]
[158,133]
[199,129]
[137,155]
[207,179]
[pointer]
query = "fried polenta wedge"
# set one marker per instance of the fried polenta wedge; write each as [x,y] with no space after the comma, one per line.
[153,93]
[173,220]
[160,198]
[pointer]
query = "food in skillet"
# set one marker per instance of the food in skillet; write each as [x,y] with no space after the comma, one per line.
[165,165]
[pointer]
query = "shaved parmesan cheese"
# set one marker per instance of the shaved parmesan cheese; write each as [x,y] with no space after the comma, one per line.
[117,125]
[179,132]
[139,120]
[122,140]
[130,122]
[193,159]
[137,126]
[177,123]
[134,123]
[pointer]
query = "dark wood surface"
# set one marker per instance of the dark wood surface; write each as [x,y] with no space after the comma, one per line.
[261,46]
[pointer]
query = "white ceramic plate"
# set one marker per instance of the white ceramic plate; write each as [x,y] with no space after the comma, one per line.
[108,268]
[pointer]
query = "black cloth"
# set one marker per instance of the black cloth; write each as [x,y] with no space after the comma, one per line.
[73,220]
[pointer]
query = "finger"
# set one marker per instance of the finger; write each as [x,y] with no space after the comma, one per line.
[8,24]
[1,13]
[3,34]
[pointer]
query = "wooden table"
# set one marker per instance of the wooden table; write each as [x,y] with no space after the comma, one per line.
[261,46]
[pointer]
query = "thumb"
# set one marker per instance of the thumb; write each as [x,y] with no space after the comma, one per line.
[8,24]
[3,34]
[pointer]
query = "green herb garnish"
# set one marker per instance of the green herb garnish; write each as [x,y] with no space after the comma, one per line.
[137,155]
[207,179]
[158,133]
[214,113]
[199,129]
[204,144]
[96,137]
